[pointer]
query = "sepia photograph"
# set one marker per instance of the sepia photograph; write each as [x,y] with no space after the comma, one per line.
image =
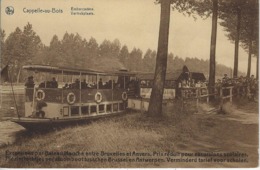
[129,84]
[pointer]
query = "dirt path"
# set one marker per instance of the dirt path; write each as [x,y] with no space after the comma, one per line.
[234,131]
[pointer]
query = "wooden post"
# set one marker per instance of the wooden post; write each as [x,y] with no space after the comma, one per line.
[199,92]
[207,94]
[230,92]
[141,105]
[97,77]
[221,98]
[62,95]
[80,93]
[197,98]
[34,91]
[182,100]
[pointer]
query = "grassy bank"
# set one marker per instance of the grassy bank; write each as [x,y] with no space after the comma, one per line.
[135,132]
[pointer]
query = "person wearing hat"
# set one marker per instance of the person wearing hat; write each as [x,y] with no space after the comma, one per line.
[225,79]
[54,83]
[30,82]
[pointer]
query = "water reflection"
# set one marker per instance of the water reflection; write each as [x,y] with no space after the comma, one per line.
[8,105]
[9,130]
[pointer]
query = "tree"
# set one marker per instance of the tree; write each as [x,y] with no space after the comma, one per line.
[135,60]
[14,52]
[92,52]
[124,55]
[21,47]
[115,48]
[230,13]
[155,104]
[250,32]
[2,47]
[205,8]
[212,60]
[54,51]
[105,49]
[170,62]
[72,47]
[146,62]
[238,19]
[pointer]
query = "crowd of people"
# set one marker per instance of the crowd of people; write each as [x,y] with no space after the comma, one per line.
[243,86]
[77,84]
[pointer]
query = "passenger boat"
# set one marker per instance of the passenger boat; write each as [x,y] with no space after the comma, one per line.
[174,83]
[73,96]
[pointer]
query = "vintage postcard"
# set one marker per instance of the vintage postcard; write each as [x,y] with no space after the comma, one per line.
[129,84]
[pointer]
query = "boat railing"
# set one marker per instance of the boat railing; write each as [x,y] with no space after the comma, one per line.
[71,96]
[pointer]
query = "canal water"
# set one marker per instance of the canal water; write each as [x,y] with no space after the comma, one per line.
[10,131]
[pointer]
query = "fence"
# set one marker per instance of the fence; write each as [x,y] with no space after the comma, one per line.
[219,92]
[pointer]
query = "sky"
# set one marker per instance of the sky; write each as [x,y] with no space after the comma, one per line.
[134,22]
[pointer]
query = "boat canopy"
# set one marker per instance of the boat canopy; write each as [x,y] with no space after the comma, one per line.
[74,71]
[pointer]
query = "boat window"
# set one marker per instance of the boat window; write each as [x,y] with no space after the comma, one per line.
[93,109]
[115,107]
[74,110]
[65,111]
[109,108]
[84,110]
[101,108]
[105,82]
[48,80]
[91,81]
[120,82]
[121,106]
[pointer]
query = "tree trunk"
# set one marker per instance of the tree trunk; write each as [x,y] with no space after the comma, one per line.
[257,67]
[249,58]
[212,64]
[18,75]
[155,106]
[237,43]
[250,48]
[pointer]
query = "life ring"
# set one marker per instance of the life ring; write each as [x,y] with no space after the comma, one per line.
[71,98]
[124,96]
[40,95]
[98,97]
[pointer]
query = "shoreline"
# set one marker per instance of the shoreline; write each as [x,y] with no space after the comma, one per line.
[135,132]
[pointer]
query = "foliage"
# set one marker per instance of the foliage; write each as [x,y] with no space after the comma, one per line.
[74,51]
[249,18]
[20,48]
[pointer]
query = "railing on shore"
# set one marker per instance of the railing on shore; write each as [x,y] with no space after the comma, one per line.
[219,92]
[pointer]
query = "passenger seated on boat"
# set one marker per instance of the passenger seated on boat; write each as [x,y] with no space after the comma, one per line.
[84,84]
[42,85]
[30,82]
[93,86]
[48,84]
[40,112]
[54,83]
[75,85]
[100,83]
[108,85]
[66,86]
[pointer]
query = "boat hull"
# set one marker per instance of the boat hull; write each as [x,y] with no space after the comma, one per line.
[41,124]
